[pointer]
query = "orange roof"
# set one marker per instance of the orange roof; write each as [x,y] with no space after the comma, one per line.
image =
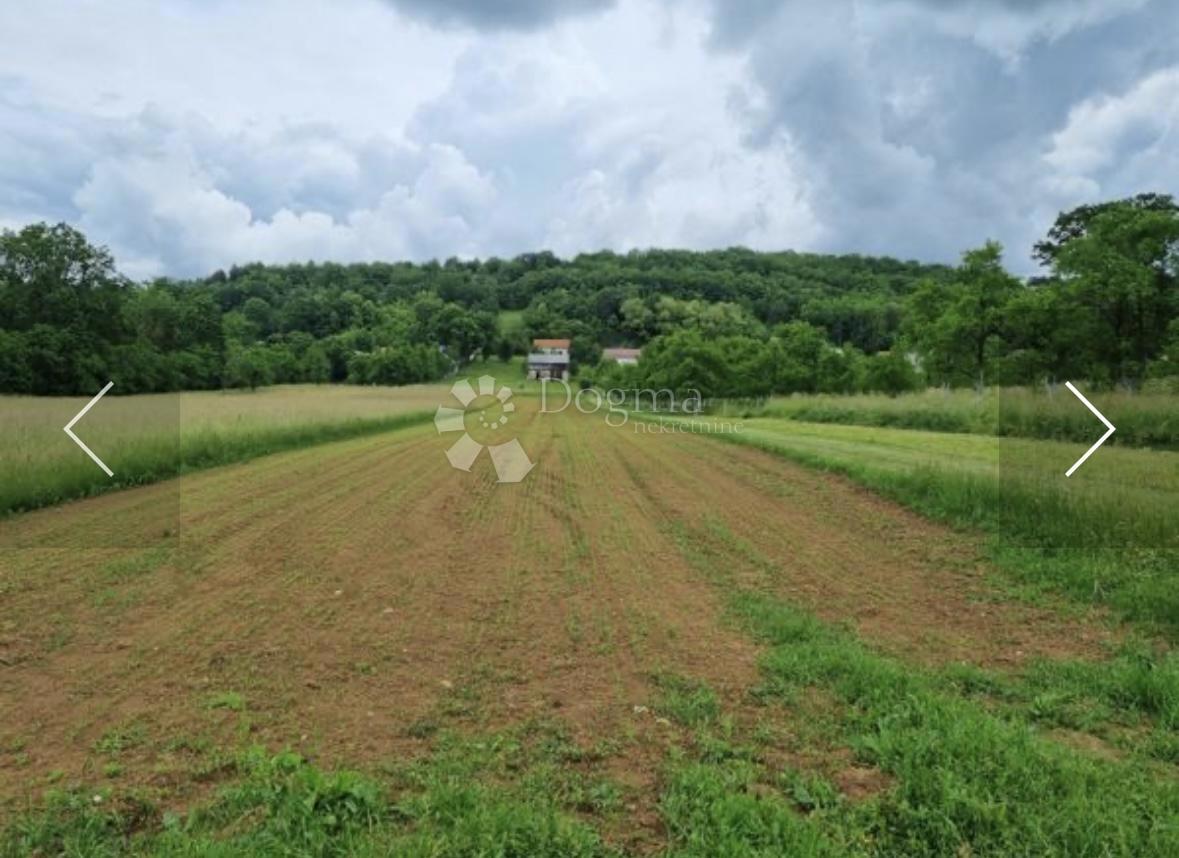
[550,344]
[622,353]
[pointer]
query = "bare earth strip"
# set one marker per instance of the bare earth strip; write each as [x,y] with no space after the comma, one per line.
[358,593]
[914,587]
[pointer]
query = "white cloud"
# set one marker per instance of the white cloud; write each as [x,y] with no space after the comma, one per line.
[1100,129]
[191,136]
[161,210]
[704,192]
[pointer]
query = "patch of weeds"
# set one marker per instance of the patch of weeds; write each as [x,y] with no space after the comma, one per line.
[62,632]
[182,743]
[462,702]
[78,822]
[496,795]
[1161,746]
[230,700]
[121,738]
[117,598]
[809,791]
[297,809]
[686,701]
[1137,685]
[714,748]
[136,565]
[458,818]
[422,728]
[966,781]
[713,810]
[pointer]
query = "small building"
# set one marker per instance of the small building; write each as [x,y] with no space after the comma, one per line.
[623,357]
[549,359]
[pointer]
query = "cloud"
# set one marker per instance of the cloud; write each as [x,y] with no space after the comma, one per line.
[921,125]
[708,193]
[498,14]
[1100,129]
[164,206]
[216,134]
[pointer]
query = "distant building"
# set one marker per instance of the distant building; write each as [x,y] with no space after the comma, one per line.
[549,359]
[625,357]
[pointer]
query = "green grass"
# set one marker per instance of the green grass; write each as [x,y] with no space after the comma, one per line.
[145,439]
[711,810]
[231,700]
[967,781]
[1143,419]
[685,701]
[510,322]
[968,766]
[282,805]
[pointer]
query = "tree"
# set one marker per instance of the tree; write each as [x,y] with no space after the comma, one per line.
[684,362]
[66,298]
[958,326]
[1122,269]
[50,275]
[16,376]
[889,372]
[248,366]
[1077,222]
[801,348]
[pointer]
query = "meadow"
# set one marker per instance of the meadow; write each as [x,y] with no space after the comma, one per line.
[151,437]
[1149,419]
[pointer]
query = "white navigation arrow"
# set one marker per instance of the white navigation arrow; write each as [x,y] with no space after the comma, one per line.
[1109,429]
[69,429]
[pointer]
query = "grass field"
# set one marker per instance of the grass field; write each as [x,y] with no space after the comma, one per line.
[654,644]
[1143,419]
[147,438]
[510,322]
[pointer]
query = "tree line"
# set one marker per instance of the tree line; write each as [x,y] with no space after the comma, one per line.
[1106,311]
[731,322]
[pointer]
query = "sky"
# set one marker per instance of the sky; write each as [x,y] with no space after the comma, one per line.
[190,135]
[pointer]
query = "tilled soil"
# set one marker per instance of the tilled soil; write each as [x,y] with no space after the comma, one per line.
[356,596]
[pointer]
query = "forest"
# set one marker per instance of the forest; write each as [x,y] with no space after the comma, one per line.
[734,323]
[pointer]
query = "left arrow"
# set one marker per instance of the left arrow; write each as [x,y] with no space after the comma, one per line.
[69,429]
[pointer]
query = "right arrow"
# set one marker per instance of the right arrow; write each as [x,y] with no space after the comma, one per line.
[1110,429]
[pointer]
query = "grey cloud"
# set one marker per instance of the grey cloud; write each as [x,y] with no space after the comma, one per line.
[498,14]
[900,126]
[925,137]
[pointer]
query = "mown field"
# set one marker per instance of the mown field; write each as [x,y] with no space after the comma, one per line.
[1143,419]
[655,644]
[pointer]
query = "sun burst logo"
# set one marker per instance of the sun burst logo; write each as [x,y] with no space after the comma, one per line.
[490,409]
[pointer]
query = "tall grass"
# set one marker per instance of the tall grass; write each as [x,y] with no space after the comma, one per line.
[1142,419]
[148,438]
